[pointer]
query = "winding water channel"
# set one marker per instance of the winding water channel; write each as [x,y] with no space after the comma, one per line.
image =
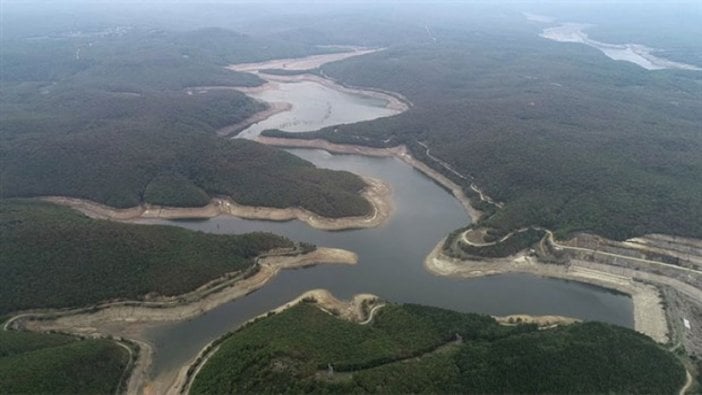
[390,256]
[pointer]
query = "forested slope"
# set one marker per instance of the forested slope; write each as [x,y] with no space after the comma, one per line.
[565,137]
[416,349]
[51,363]
[53,256]
[115,119]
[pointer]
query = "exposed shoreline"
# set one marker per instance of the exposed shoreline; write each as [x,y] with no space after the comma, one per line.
[110,319]
[401,152]
[351,310]
[377,193]
[303,63]
[359,309]
[271,109]
[649,314]
[638,54]
[394,101]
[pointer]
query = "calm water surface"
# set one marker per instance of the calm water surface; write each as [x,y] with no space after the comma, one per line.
[316,106]
[390,257]
[390,265]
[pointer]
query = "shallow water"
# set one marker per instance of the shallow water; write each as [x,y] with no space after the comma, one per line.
[316,106]
[634,53]
[390,256]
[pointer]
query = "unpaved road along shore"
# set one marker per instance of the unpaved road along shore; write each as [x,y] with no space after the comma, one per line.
[377,193]
[649,315]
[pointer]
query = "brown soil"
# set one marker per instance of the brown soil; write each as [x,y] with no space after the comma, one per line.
[306,63]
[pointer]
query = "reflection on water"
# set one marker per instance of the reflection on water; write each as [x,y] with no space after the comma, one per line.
[390,265]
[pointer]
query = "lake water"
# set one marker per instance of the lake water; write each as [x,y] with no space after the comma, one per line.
[634,53]
[315,106]
[390,256]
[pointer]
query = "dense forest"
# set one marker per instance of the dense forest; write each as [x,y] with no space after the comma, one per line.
[34,363]
[413,349]
[565,137]
[119,119]
[55,257]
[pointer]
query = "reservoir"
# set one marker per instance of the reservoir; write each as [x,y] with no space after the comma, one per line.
[390,256]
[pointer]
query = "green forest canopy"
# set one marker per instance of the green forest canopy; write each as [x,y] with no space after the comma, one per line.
[34,363]
[119,124]
[46,247]
[567,138]
[413,349]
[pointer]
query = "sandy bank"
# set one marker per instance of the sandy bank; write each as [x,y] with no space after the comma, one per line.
[359,309]
[649,314]
[542,321]
[634,53]
[401,152]
[395,101]
[129,319]
[271,109]
[377,193]
[305,63]
[205,298]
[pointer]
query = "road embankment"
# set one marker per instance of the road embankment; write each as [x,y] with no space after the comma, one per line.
[649,314]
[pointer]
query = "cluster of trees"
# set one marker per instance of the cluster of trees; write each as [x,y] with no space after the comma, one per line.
[565,137]
[413,349]
[120,124]
[55,257]
[33,363]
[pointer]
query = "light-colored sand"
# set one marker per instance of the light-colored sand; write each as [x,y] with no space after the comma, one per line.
[401,152]
[272,109]
[542,321]
[394,101]
[306,63]
[377,193]
[205,298]
[649,315]
[129,319]
[634,53]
